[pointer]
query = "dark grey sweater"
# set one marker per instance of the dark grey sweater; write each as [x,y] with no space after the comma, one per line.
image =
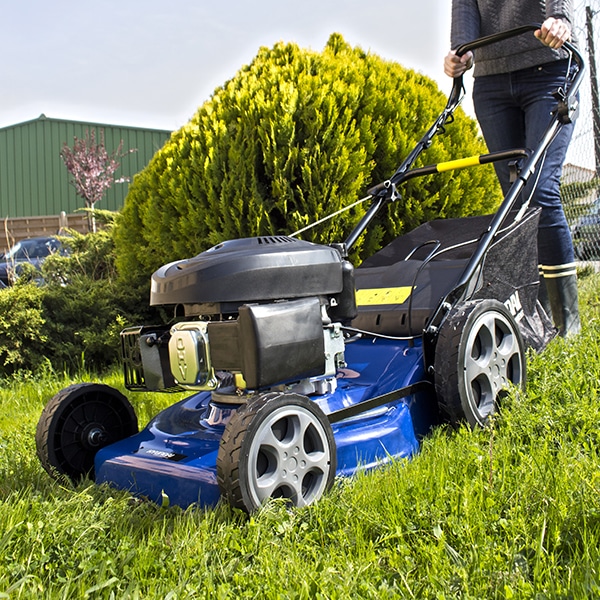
[472,19]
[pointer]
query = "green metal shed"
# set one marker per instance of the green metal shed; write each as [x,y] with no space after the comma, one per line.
[34,180]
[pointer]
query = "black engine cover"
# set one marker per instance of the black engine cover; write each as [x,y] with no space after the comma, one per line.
[250,270]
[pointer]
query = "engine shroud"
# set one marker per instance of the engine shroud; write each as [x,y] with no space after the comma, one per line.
[259,269]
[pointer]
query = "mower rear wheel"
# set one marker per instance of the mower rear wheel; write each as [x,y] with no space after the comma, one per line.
[478,356]
[76,423]
[278,445]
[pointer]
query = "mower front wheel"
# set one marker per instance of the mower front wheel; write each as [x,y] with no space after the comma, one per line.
[278,445]
[76,423]
[479,354]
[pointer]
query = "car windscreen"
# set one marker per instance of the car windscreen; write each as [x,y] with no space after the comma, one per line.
[26,249]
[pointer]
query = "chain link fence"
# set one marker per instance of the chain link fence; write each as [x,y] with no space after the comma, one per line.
[581,172]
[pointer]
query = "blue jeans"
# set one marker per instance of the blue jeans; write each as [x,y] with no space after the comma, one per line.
[514,110]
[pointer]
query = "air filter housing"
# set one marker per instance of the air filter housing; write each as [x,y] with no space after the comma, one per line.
[259,269]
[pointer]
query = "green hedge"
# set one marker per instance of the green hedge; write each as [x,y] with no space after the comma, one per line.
[73,319]
[22,336]
[295,136]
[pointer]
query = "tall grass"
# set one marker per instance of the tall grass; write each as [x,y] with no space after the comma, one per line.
[511,511]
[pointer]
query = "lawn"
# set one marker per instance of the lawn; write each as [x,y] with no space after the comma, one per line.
[511,511]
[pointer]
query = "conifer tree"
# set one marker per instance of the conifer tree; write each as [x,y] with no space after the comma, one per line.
[293,137]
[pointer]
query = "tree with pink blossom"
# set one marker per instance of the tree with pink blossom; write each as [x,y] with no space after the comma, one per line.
[91,168]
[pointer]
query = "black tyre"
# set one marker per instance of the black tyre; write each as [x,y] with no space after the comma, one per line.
[76,423]
[277,445]
[478,356]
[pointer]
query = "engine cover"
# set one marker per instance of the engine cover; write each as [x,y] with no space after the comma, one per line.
[250,270]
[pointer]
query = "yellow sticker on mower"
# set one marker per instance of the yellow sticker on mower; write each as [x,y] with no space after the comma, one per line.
[396,295]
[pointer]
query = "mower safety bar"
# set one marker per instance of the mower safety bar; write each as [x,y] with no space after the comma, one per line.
[451,165]
[464,163]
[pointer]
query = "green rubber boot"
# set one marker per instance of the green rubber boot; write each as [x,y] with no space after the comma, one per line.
[564,303]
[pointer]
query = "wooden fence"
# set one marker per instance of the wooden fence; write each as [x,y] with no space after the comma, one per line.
[16,229]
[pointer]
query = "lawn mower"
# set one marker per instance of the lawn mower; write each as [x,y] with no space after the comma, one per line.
[303,368]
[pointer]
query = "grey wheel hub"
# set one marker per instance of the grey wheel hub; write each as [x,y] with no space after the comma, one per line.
[289,457]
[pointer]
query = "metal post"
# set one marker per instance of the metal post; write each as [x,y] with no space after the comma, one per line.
[594,81]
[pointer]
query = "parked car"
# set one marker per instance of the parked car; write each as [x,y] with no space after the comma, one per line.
[31,250]
[586,234]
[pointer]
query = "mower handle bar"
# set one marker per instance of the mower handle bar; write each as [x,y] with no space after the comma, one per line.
[457,87]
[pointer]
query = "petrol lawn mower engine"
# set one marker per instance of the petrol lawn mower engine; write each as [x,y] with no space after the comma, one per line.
[252,314]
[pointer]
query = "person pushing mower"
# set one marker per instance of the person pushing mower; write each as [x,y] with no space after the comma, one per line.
[514,95]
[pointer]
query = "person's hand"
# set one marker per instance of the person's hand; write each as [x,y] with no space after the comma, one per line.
[455,66]
[553,32]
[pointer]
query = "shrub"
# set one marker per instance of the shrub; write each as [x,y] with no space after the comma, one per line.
[74,319]
[83,320]
[22,322]
[295,136]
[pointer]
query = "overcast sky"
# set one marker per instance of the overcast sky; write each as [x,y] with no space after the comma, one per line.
[151,64]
